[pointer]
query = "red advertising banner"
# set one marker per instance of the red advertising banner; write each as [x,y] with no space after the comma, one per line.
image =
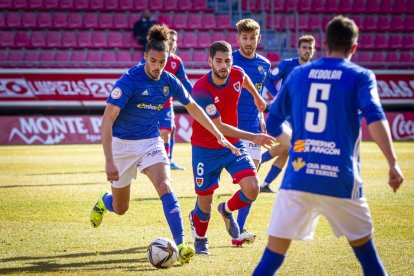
[21,130]
[91,88]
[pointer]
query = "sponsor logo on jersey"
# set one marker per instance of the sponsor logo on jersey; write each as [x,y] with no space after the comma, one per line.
[211,109]
[166,90]
[237,86]
[316,146]
[173,64]
[298,164]
[199,181]
[150,106]
[145,93]
[322,170]
[116,93]
[299,146]
[275,71]
[216,99]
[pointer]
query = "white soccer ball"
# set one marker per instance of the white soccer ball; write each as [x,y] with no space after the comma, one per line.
[162,253]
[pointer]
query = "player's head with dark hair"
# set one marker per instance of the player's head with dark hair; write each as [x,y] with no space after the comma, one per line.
[306,48]
[248,36]
[173,41]
[341,35]
[157,51]
[220,59]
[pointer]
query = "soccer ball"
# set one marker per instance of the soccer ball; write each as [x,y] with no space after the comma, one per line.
[162,253]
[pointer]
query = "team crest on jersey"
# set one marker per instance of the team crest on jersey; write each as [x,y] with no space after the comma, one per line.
[173,64]
[298,164]
[211,109]
[260,68]
[116,93]
[237,86]
[275,71]
[166,90]
[199,181]
[216,99]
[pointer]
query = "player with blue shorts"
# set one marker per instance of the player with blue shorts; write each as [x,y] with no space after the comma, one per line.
[131,138]
[250,119]
[305,50]
[218,93]
[325,100]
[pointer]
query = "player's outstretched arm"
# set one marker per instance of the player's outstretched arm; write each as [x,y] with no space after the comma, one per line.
[198,114]
[109,116]
[258,100]
[380,133]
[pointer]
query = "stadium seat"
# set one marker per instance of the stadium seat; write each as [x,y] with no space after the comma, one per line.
[381,41]
[279,6]
[410,7]
[60,20]
[156,5]
[78,58]
[318,6]
[29,20]
[180,21]
[273,56]
[200,5]
[66,5]
[93,59]
[406,57]
[81,5]
[358,6]
[62,58]
[6,39]
[2,21]
[218,36]
[369,23]
[395,41]
[201,58]
[386,6]
[408,41]
[231,38]
[399,6]
[129,40]
[372,6]
[185,56]
[366,41]
[392,57]
[303,23]
[38,39]
[291,22]
[69,40]
[21,39]
[99,40]
[208,21]
[18,4]
[165,18]
[125,5]
[31,58]
[359,21]
[44,20]
[186,5]
[203,40]
[409,23]
[345,6]
[115,40]
[189,40]
[397,24]
[121,21]
[105,21]
[315,22]
[47,59]
[96,5]
[170,5]
[112,5]
[137,57]
[362,57]
[108,59]
[36,4]
[249,5]
[304,6]
[378,58]
[5,4]
[195,20]
[224,22]
[331,6]
[50,4]
[15,58]
[13,20]
[124,57]
[53,39]
[141,4]
[85,39]
[383,23]
[133,17]
[291,6]
[74,20]
[90,20]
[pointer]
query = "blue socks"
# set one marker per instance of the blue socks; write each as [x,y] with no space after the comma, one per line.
[269,263]
[272,174]
[172,212]
[266,156]
[107,200]
[368,257]
[242,216]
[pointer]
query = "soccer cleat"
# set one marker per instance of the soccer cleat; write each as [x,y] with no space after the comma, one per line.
[201,246]
[266,189]
[185,253]
[98,211]
[232,226]
[175,167]
[245,237]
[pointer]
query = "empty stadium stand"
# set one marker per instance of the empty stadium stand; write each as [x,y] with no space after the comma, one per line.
[98,33]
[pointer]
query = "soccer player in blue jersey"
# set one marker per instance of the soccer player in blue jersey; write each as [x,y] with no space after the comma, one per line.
[325,100]
[218,93]
[305,50]
[250,119]
[131,138]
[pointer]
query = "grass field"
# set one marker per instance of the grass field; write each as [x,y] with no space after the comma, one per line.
[46,193]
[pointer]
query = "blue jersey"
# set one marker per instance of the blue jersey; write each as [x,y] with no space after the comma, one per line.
[141,99]
[325,100]
[258,70]
[280,73]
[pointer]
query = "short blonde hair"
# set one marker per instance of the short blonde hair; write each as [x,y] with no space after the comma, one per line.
[247,25]
[306,38]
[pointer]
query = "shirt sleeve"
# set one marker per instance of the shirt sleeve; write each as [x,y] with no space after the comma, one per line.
[121,93]
[179,92]
[275,76]
[368,98]
[205,101]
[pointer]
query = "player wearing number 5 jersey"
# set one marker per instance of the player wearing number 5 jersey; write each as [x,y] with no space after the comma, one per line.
[325,100]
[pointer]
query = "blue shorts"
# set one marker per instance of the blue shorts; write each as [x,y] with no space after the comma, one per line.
[208,164]
[166,118]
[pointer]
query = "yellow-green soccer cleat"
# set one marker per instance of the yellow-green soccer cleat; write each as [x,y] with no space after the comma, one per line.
[185,253]
[98,211]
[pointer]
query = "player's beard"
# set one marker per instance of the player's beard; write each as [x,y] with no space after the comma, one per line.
[224,73]
[155,74]
[305,58]
[248,51]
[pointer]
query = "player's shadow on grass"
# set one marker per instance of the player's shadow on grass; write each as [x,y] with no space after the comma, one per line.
[52,263]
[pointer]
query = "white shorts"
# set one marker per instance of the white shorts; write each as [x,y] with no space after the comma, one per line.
[295,216]
[254,150]
[132,154]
